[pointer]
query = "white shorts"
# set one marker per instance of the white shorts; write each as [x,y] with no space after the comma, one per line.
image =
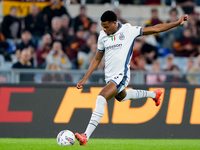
[120,81]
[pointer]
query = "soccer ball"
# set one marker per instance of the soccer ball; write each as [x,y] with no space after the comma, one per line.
[66,138]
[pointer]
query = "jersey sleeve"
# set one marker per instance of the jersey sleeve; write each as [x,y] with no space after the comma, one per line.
[137,30]
[101,47]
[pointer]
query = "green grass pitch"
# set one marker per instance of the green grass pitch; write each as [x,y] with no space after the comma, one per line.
[100,144]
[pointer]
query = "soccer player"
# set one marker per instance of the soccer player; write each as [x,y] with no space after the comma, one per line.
[116,43]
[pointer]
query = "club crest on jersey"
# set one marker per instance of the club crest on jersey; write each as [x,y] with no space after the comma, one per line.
[121,36]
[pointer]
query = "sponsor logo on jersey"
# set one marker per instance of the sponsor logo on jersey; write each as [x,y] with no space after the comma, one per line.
[121,36]
[116,46]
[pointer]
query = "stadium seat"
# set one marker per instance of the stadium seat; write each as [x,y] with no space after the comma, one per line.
[2,62]
[161,60]
[181,62]
[148,67]
[14,58]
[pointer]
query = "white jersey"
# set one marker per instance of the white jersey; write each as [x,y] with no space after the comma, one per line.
[118,50]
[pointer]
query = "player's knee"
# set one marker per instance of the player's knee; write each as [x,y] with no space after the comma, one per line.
[104,95]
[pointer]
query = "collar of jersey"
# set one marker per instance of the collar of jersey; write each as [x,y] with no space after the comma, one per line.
[120,25]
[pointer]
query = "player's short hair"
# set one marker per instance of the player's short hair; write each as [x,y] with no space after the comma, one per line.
[109,16]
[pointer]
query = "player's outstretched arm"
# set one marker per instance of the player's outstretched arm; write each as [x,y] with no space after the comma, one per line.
[94,64]
[163,27]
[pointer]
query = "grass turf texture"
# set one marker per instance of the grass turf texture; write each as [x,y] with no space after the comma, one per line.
[100,144]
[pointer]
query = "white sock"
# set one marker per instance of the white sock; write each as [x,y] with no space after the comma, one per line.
[96,115]
[136,94]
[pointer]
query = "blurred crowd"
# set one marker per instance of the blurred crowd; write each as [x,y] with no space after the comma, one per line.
[49,36]
[51,39]
[142,2]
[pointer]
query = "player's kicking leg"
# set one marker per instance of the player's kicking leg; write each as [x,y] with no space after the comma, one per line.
[109,91]
[106,94]
[136,94]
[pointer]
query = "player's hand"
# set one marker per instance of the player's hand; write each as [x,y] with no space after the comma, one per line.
[80,83]
[183,19]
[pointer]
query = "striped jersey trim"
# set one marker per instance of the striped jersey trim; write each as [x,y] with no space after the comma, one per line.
[101,50]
